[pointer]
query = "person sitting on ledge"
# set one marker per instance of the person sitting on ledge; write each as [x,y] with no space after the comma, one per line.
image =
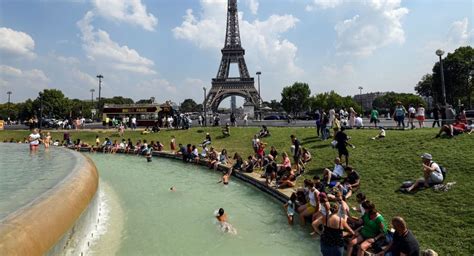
[264,132]
[238,162]
[288,180]
[213,159]
[456,128]
[226,130]
[432,174]
[249,164]
[270,167]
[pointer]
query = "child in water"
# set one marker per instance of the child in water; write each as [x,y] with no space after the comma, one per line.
[47,140]
[290,208]
[225,226]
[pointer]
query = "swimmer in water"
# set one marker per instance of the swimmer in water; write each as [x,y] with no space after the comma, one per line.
[172,189]
[47,140]
[225,178]
[225,226]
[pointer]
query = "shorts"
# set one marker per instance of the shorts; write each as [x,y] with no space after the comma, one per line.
[435,179]
[412,115]
[34,146]
[343,151]
[420,118]
[373,120]
[296,158]
[311,209]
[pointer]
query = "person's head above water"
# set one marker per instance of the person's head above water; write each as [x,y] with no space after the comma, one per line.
[221,212]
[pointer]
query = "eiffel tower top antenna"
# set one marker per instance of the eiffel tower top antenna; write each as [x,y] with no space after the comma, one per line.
[232,34]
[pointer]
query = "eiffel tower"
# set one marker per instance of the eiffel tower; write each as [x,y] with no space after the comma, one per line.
[224,86]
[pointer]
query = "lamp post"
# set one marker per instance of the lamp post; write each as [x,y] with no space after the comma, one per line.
[361,103]
[92,101]
[8,106]
[440,53]
[204,107]
[100,88]
[471,73]
[41,110]
[259,96]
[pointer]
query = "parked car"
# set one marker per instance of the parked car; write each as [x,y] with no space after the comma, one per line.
[470,113]
[272,117]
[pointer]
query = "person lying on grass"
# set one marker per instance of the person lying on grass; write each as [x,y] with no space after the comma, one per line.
[456,128]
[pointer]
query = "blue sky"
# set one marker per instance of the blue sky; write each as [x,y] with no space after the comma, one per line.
[170,49]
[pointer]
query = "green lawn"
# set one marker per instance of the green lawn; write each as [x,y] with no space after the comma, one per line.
[441,221]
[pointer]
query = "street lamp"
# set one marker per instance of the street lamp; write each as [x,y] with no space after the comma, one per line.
[361,104]
[100,88]
[471,73]
[259,95]
[92,101]
[440,53]
[204,107]
[8,106]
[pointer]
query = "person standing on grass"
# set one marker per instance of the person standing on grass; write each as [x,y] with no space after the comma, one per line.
[374,116]
[352,116]
[436,116]
[411,116]
[297,151]
[336,125]
[342,142]
[399,115]
[420,115]
[246,119]
[317,117]
[404,242]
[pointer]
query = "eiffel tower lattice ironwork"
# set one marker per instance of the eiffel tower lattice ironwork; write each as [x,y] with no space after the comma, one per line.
[224,86]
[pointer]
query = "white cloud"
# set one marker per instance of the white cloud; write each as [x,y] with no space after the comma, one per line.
[253,6]
[457,35]
[194,82]
[101,48]
[129,11]
[16,42]
[323,4]
[262,39]
[376,24]
[23,80]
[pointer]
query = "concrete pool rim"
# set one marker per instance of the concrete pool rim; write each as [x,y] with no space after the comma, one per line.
[37,227]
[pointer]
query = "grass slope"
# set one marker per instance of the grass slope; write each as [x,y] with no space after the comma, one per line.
[441,221]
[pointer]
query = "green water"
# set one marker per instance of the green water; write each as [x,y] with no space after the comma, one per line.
[147,219]
[25,174]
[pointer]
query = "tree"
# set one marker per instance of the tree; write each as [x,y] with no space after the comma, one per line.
[425,86]
[328,100]
[459,87]
[117,100]
[274,105]
[295,98]
[52,103]
[388,102]
[189,105]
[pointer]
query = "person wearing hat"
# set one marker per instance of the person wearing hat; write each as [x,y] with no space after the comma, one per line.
[431,173]
[207,140]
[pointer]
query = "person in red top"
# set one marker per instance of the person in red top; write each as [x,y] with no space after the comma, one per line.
[456,128]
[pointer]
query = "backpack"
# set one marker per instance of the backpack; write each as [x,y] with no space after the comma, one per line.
[443,171]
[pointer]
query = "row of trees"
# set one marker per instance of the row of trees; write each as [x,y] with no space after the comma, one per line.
[296,99]
[54,104]
[459,83]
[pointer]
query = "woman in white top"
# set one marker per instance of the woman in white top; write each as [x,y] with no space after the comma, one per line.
[323,211]
[420,115]
[34,139]
[352,117]
[312,206]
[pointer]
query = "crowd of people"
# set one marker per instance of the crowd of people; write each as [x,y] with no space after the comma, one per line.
[322,201]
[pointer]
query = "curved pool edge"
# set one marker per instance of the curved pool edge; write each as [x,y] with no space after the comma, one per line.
[36,228]
[250,178]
